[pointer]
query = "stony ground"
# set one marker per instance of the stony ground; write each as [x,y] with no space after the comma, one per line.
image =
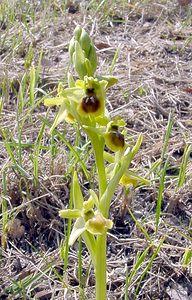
[153,44]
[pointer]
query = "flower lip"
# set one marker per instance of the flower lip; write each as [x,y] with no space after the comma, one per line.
[117,138]
[90,104]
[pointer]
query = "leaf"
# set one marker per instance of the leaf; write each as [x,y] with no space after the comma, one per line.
[77,194]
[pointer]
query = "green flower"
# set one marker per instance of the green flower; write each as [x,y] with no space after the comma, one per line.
[87,220]
[114,139]
[93,101]
[83,100]
[98,224]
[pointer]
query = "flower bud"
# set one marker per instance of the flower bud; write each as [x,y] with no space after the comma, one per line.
[85,42]
[77,32]
[79,60]
[93,58]
[71,48]
[84,51]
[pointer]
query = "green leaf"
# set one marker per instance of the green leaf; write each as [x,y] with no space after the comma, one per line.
[77,194]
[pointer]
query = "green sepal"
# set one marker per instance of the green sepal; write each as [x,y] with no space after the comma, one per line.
[91,245]
[70,80]
[111,80]
[60,117]
[78,229]
[109,157]
[94,197]
[131,178]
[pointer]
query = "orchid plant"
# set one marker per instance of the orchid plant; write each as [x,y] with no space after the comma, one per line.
[84,102]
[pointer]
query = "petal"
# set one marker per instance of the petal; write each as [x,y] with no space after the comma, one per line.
[130,178]
[128,181]
[111,80]
[78,229]
[73,94]
[94,197]
[61,115]
[54,101]
[70,213]
[89,204]
[80,84]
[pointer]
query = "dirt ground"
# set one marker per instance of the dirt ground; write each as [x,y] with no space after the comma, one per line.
[154,71]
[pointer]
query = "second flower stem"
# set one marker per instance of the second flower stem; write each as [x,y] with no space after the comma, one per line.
[100,269]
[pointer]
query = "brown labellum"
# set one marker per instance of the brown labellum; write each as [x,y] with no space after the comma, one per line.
[117,139]
[90,104]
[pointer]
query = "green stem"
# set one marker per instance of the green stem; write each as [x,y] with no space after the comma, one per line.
[100,268]
[98,146]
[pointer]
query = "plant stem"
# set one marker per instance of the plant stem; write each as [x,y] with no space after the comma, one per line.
[100,269]
[98,146]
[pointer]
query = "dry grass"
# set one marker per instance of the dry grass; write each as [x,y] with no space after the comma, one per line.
[154,72]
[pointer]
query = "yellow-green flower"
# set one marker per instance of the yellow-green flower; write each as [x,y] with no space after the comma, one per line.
[93,101]
[87,219]
[98,224]
[86,99]
[114,139]
[128,181]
